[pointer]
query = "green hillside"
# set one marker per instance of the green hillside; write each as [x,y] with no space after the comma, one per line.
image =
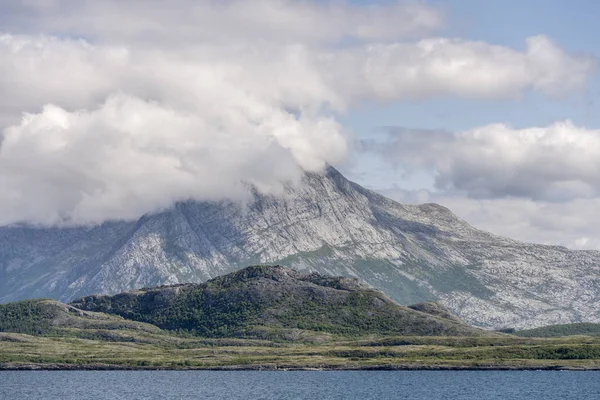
[274,301]
[267,318]
[561,330]
[52,318]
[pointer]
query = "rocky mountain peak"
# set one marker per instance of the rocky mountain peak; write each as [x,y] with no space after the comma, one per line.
[327,224]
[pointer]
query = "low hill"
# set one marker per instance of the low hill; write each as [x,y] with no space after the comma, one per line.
[561,330]
[44,317]
[274,301]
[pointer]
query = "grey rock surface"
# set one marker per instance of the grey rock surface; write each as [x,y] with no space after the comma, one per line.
[413,253]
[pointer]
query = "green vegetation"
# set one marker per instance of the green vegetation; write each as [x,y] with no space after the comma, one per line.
[267,302]
[30,316]
[152,351]
[562,330]
[52,318]
[436,309]
[266,317]
[459,279]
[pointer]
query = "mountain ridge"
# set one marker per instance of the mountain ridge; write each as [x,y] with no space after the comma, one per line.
[327,224]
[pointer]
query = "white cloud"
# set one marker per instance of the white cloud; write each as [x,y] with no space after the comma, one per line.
[145,110]
[35,70]
[443,66]
[554,163]
[572,223]
[536,184]
[130,156]
[217,21]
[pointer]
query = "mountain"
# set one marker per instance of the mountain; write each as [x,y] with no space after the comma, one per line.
[327,224]
[273,301]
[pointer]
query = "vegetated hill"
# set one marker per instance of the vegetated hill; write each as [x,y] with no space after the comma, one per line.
[50,317]
[435,309]
[327,224]
[274,301]
[586,329]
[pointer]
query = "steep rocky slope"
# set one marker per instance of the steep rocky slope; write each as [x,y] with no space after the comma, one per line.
[414,253]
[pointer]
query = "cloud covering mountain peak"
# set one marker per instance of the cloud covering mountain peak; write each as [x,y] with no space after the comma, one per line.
[116,109]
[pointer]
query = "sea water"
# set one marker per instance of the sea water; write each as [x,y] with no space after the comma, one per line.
[359,385]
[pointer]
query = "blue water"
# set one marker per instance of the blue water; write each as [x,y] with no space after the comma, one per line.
[414,385]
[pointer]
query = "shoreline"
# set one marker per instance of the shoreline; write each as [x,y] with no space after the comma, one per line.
[289,368]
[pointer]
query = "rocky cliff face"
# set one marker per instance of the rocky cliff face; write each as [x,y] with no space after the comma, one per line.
[413,253]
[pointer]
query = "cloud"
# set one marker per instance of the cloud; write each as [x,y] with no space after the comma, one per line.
[572,223]
[77,74]
[132,156]
[555,163]
[441,66]
[35,70]
[218,21]
[115,109]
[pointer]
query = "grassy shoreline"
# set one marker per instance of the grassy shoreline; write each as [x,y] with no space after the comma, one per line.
[157,352]
[267,318]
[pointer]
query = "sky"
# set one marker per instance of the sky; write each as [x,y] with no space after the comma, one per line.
[114,109]
[562,215]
